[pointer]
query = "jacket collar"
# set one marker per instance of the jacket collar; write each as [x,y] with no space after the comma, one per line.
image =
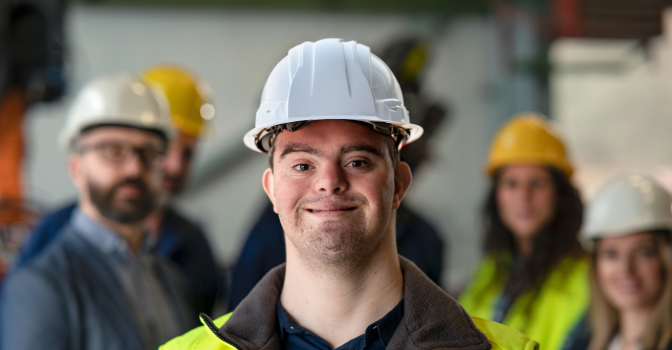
[432,319]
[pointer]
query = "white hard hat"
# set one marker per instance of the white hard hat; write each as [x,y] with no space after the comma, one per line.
[630,202]
[331,79]
[120,99]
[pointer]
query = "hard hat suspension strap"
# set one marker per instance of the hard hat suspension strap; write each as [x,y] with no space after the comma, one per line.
[266,137]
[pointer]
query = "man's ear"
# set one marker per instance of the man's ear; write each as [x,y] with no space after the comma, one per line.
[269,186]
[402,180]
[76,171]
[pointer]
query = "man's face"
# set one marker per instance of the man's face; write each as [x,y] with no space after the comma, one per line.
[118,171]
[177,163]
[334,188]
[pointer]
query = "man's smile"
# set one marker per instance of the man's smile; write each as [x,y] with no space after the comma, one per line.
[331,209]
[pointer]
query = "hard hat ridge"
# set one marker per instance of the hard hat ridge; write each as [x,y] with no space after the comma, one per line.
[330,79]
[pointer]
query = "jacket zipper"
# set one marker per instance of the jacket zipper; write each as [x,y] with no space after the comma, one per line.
[208,322]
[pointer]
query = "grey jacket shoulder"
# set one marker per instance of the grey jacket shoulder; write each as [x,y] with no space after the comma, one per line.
[66,298]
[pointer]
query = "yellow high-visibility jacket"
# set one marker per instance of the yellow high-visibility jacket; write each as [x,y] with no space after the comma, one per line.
[555,313]
[432,319]
[207,338]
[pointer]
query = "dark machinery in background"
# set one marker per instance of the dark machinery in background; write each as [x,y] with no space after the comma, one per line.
[32,48]
[407,58]
[31,70]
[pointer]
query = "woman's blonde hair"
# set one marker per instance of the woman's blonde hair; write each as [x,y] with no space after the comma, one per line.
[604,317]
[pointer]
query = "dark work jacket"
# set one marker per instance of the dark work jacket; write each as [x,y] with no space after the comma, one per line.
[180,240]
[68,298]
[264,249]
[432,320]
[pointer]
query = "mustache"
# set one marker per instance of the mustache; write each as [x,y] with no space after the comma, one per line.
[136,182]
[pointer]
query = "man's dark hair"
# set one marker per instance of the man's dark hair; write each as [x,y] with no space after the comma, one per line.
[391,145]
[556,241]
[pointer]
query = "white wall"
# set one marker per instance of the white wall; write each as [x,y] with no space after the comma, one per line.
[614,99]
[235,51]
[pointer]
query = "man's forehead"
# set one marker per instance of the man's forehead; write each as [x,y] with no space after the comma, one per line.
[329,137]
[121,134]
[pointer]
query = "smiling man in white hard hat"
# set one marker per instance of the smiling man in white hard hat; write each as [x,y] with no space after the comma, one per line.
[100,285]
[332,120]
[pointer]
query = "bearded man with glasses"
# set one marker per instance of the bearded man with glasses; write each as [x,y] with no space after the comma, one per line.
[100,285]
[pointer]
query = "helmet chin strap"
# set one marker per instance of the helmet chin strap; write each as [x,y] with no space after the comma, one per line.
[266,138]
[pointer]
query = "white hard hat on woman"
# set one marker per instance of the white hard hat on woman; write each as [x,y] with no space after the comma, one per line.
[630,202]
[628,230]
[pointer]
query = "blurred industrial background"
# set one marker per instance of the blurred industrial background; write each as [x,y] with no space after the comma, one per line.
[602,69]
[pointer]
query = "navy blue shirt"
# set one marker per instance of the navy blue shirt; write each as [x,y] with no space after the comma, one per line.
[376,336]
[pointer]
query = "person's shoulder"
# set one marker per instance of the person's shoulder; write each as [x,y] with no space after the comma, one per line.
[57,258]
[200,338]
[504,338]
[60,215]
[571,273]
[40,277]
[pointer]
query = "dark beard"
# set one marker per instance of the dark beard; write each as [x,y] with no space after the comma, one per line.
[127,211]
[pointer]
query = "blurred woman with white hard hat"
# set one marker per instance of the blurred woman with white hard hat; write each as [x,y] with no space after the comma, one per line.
[628,229]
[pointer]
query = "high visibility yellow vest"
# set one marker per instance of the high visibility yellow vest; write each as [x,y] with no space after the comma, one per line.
[557,310]
[204,338]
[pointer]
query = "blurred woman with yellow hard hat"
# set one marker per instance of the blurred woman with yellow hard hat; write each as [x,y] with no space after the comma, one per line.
[534,276]
[629,232]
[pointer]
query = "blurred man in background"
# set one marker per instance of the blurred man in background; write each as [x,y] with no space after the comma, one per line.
[179,239]
[100,284]
[417,239]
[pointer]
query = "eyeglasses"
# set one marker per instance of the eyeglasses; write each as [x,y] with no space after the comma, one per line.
[118,153]
[266,138]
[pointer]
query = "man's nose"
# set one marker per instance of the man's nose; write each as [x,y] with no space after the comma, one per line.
[628,265]
[331,179]
[134,165]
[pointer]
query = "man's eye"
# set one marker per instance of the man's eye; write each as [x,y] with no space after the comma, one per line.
[302,167]
[357,163]
[114,151]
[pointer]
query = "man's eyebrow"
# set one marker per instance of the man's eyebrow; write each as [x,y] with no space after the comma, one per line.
[361,147]
[298,147]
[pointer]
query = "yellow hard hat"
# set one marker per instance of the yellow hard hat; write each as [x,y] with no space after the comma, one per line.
[188,96]
[529,139]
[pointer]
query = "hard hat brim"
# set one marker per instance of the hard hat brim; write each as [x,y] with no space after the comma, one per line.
[415,131]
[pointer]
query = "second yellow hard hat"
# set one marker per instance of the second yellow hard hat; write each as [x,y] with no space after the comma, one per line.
[528,139]
[188,96]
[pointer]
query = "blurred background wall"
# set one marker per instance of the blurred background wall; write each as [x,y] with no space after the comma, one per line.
[614,99]
[489,60]
[235,51]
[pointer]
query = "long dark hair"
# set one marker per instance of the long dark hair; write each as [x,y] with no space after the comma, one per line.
[557,240]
